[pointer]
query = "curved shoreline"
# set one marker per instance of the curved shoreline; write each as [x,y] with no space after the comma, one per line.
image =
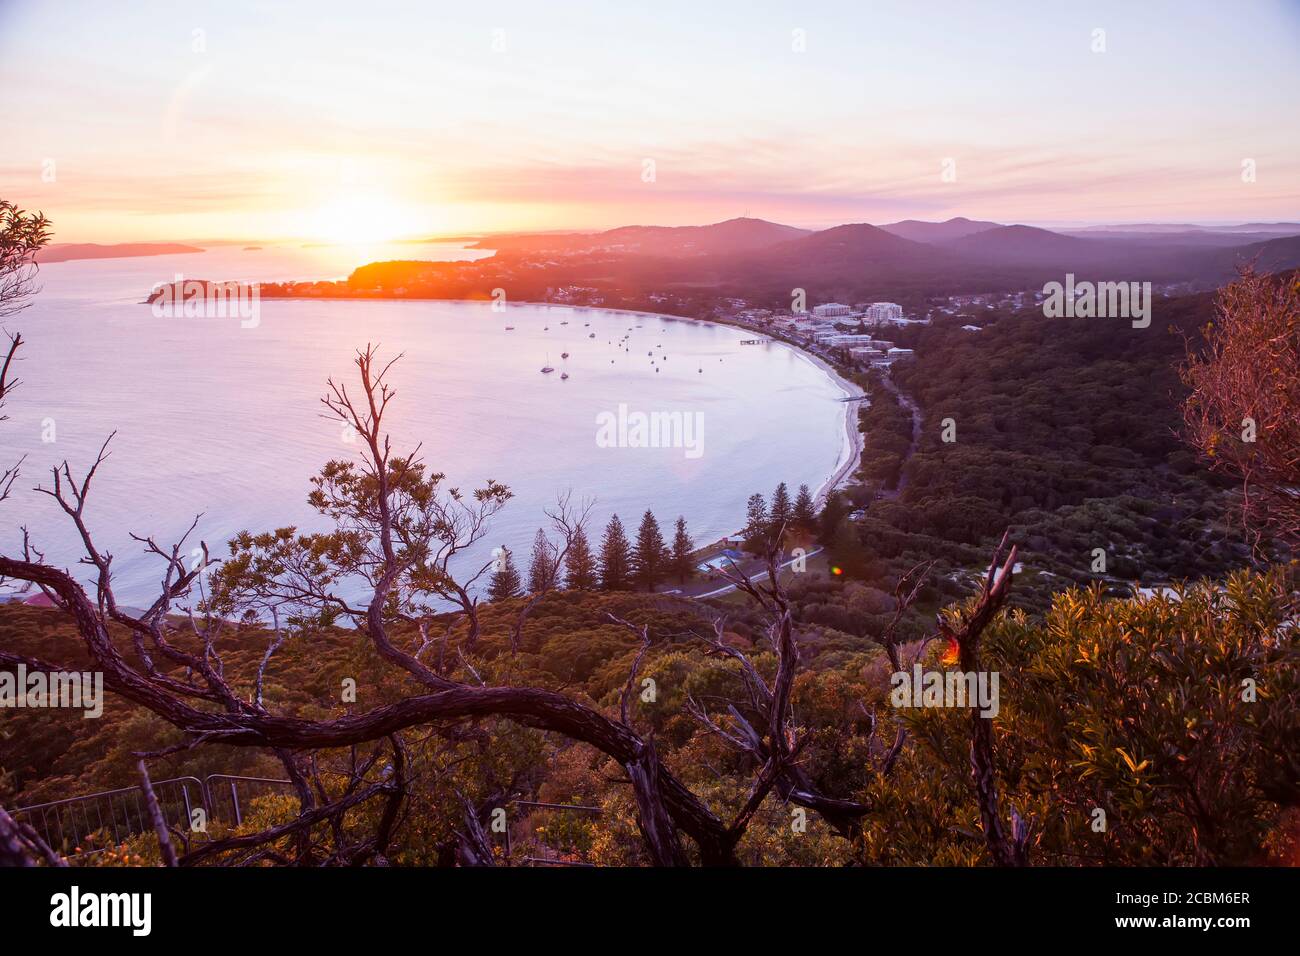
[853,440]
[850,449]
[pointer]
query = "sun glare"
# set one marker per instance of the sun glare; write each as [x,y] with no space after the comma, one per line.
[360,220]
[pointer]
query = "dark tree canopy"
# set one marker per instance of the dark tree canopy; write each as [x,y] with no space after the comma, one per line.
[756,523]
[505,581]
[580,565]
[680,563]
[781,511]
[804,514]
[543,567]
[615,557]
[649,555]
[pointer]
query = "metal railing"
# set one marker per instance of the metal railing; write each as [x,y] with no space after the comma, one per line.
[66,825]
[541,853]
[223,795]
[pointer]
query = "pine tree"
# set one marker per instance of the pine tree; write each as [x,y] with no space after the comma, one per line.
[580,564]
[505,579]
[756,525]
[542,569]
[615,557]
[805,512]
[780,514]
[682,548]
[650,556]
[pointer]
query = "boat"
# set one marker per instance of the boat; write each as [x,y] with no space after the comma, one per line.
[546,369]
[592,335]
[563,376]
[510,328]
[564,355]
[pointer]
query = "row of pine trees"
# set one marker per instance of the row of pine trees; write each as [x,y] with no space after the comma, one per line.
[763,521]
[621,565]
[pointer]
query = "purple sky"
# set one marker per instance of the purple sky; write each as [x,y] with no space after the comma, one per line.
[379,120]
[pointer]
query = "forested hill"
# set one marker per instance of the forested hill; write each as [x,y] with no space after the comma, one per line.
[1066,431]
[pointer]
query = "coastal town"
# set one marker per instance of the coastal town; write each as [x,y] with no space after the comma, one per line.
[854,335]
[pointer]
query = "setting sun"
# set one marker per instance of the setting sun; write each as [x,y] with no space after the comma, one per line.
[362,220]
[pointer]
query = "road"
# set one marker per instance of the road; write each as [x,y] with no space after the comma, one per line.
[906,401]
[763,573]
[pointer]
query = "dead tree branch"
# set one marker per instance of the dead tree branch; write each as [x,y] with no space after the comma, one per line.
[156,816]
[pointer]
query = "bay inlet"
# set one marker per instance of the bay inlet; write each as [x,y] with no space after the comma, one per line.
[222,420]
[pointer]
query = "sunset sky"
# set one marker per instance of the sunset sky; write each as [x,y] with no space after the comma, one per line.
[379,120]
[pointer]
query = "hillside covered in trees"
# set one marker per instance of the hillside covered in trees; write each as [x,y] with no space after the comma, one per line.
[1065,431]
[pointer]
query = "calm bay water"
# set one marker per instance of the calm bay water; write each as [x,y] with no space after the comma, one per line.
[224,420]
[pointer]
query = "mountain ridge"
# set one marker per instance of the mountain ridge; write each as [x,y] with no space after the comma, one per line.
[920,230]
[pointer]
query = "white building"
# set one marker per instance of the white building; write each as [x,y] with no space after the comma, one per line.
[884,312]
[847,338]
[832,310]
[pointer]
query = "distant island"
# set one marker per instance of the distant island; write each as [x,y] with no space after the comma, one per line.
[68,251]
[714,270]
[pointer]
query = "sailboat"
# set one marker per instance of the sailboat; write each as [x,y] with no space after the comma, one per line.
[547,367]
[563,376]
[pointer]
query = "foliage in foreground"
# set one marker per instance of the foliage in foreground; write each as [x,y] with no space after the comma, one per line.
[1131,707]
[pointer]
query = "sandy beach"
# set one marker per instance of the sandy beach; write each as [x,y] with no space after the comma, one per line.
[852,436]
